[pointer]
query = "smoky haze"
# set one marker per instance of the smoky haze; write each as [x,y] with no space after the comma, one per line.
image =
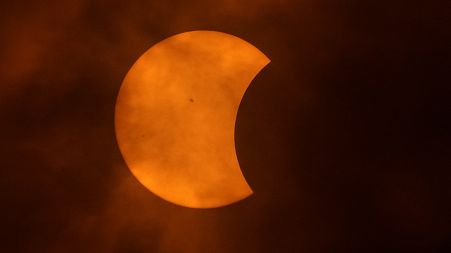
[344,137]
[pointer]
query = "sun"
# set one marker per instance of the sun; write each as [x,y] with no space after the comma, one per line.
[175,117]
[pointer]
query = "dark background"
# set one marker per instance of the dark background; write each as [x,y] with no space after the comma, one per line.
[345,137]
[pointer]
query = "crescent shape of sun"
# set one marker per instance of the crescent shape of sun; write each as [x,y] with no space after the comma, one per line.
[175,117]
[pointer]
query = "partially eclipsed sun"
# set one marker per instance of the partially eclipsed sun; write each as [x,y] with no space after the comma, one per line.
[175,117]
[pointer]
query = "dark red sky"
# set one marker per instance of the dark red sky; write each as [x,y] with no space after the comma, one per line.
[345,137]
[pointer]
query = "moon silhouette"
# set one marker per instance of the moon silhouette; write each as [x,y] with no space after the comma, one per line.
[175,117]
